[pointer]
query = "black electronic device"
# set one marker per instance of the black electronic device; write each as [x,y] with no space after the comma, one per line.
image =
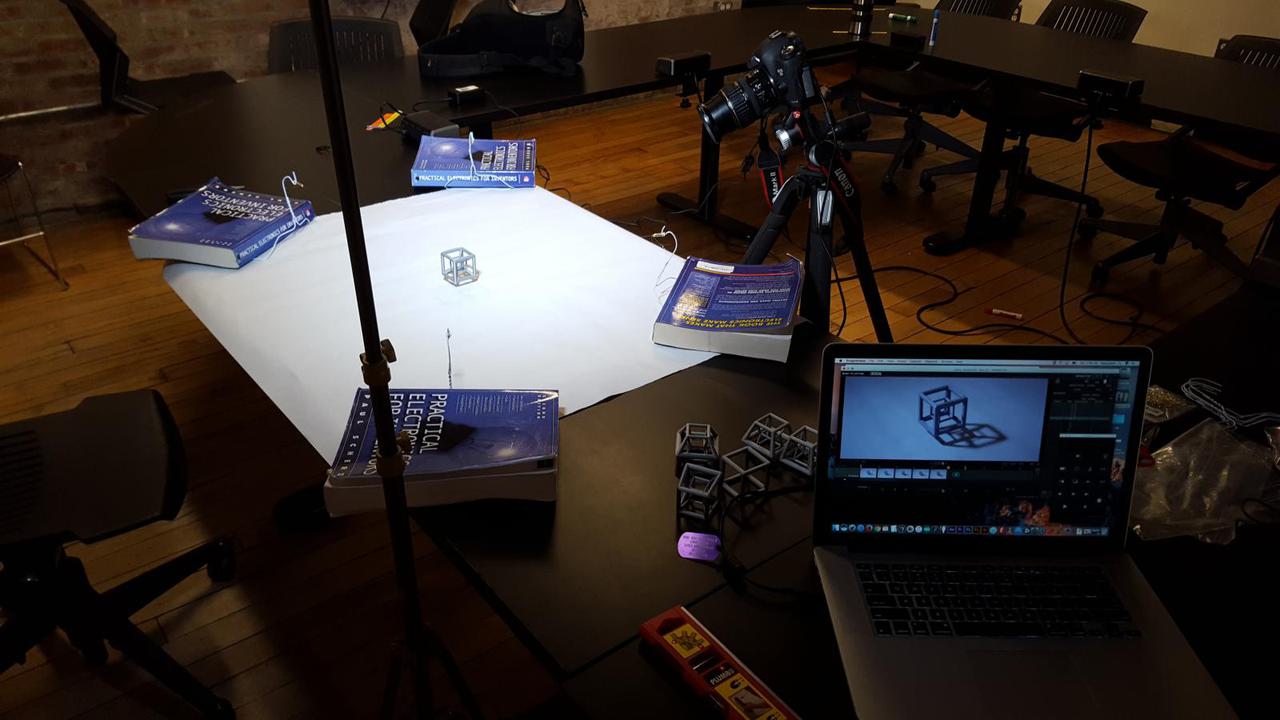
[778,75]
[466,95]
[1110,87]
[779,78]
[696,64]
[424,122]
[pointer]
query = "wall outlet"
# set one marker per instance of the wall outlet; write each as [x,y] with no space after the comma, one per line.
[723,5]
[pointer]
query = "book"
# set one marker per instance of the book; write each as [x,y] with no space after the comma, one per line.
[747,310]
[472,163]
[218,225]
[464,445]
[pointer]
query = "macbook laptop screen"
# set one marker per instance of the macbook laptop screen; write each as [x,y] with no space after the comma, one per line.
[991,447]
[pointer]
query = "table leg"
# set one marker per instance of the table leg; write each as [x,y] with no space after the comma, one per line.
[703,208]
[980,226]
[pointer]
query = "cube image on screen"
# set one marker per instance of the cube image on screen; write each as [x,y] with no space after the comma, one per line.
[698,493]
[943,411]
[458,266]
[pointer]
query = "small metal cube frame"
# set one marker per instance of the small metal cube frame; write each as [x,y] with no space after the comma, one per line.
[458,266]
[800,450]
[745,470]
[698,493]
[766,435]
[697,443]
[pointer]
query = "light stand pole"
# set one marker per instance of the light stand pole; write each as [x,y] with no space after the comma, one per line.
[420,641]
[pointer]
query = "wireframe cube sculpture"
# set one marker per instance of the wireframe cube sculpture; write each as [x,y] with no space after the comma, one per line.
[800,450]
[745,470]
[767,434]
[458,266]
[943,411]
[697,443]
[698,493]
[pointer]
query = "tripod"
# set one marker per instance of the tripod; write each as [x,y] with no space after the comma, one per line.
[827,183]
[420,642]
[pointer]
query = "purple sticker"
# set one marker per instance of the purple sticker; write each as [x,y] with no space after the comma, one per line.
[699,546]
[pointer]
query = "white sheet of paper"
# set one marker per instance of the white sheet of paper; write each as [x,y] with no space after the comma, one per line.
[565,301]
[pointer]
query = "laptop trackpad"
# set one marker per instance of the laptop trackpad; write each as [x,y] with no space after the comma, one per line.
[1043,684]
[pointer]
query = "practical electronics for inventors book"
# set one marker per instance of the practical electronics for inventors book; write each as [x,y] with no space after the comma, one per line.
[709,670]
[471,163]
[464,445]
[745,310]
[219,225]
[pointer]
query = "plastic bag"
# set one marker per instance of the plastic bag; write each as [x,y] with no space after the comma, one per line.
[1197,483]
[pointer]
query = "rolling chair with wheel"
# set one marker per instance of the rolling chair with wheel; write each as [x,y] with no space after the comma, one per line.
[914,92]
[121,91]
[1186,166]
[1041,114]
[112,464]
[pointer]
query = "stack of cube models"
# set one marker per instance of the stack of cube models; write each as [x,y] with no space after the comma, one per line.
[705,477]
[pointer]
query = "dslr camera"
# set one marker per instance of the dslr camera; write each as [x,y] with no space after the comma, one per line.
[778,76]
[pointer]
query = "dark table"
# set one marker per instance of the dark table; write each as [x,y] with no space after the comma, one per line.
[254,132]
[576,579]
[1221,597]
[1180,87]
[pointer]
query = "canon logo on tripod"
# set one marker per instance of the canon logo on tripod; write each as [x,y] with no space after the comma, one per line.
[845,183]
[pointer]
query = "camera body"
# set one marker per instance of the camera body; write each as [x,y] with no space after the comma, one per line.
[778,75]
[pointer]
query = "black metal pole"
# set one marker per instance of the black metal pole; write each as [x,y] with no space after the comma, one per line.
[375,361]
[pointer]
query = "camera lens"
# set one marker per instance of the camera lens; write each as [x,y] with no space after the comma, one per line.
[737,106]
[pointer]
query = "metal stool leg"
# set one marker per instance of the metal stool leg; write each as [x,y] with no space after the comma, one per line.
[52,265]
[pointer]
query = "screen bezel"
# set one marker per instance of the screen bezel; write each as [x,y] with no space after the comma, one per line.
[1115,539]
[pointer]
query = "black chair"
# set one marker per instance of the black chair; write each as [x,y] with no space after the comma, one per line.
[120,90]
[1183,168]
[112,464]
[358,41]
[430,19]
[915,92]
[1042,114]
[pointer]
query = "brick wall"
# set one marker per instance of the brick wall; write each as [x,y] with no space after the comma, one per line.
[45,62]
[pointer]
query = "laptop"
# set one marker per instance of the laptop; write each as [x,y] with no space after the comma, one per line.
[970,511]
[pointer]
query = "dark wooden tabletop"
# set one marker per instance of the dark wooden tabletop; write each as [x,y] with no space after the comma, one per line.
[578,577]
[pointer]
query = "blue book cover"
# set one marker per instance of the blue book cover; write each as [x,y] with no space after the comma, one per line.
[739,309]
[467,163]
[219,225]
[456,433]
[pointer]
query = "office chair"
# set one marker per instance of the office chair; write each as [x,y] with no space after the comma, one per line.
[11,167]
[120,90]
[1041,114]
[1183,168]
[112,464]
[358,41]
[430,19]
[915,92]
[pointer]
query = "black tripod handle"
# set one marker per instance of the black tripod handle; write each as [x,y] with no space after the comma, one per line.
[773,225]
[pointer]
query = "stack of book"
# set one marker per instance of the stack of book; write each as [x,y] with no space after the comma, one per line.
[747,310]
[219,225]
[464,445]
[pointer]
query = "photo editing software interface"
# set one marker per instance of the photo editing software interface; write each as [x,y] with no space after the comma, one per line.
[979,446]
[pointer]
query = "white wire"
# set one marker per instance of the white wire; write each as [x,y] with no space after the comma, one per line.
[475,174]
[659,280]
[1204,392]
[295,221]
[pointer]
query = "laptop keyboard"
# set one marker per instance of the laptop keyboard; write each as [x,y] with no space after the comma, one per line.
[993,601]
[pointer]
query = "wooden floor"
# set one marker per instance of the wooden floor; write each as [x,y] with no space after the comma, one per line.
[304,631]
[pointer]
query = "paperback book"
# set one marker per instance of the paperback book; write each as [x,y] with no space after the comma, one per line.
[470,163]
[219,225]
[464,445]
[747,310]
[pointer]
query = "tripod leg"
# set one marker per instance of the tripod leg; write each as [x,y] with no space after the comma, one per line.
[850,211]
[815,296]
[775,223]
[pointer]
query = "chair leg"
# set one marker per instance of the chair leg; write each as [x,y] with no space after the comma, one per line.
[930,133]
[18,635]
[133,594]
[1206,235]
[128,639]
[1039,186]
[1131,230]
[882,146]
